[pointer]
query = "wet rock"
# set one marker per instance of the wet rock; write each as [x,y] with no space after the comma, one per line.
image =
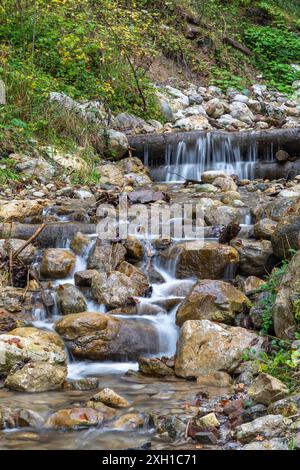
[134,248]
[252,284]
[12,299]
[103,337]
[270,444]
[205,347]
[113,290]
[264,229]
[11,418]
[110,398]
[80,243]
[8,321]
[284,310]
[37,377]
[36,347]
[108,413]
[138,279]
[57,263]
[155,367]
[267,427]
[129,422]
[84,278]
[74,418]
[86,383]
[205,438]
[26,256]
[221,215]
[225,183]
[267,389]
[70,299]
[255,256]
[203,259]
[20,209]
[212,300]
[215,379]
[105,257]
[171,425]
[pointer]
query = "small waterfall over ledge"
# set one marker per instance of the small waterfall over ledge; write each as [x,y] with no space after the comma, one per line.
[175,157]
[213,151]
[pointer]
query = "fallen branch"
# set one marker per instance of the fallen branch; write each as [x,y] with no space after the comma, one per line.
[187,180]
[30,240]
[237,45]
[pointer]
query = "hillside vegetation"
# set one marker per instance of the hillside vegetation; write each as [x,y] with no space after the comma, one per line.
[92,49]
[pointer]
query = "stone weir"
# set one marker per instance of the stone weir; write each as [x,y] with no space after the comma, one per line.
[186,155]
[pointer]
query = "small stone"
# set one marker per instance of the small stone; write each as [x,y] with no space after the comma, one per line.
[207,438]
[208,420]
[267,389]
[111,398]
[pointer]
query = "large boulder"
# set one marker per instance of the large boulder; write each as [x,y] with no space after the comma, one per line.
[111,174]
[203,260]
[103,337]
[113,290]
[267,389]
[57,263]
[18,210]
[255,256]
[23,345]
[105,256]
[37,377]
[70,299]
[284,310]
[212,300]
[264,229]
[205,347]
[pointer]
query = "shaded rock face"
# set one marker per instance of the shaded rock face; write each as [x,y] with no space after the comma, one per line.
[26,256]
[203,260]
[74,418]
[20,347]
[102,337]
[205,347]
[105,256]
[286,236]
[284,309]
[37,377]
[57,263]
[212,300]
[70,299]
[267,389]
[255,256]
[8,321]
[138,279]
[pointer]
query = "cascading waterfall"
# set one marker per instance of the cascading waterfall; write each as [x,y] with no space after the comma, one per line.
[212,151]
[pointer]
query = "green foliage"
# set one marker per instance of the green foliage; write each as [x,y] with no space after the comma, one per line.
[7,173]
[275,50]
[271,289]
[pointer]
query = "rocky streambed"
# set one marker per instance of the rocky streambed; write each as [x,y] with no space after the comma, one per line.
[144,341]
